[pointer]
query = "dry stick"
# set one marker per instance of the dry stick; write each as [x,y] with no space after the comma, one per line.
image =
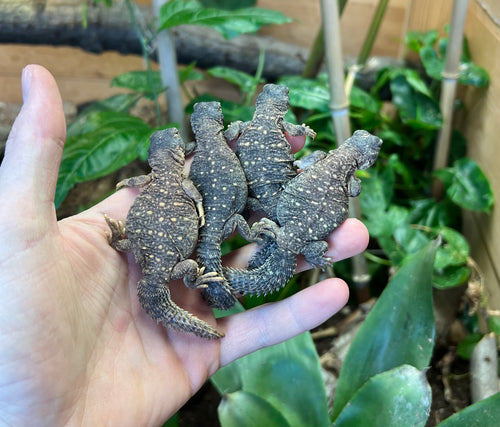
[448,87]
[169,75]
[339,107]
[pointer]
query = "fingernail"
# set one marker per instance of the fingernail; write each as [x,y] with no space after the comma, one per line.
[26,82]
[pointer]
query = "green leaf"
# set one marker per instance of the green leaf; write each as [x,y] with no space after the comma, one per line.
[472,74]
[415,108]
[454,251]
[398,330]
[146,82]
[466,346]
[433,64]
[241,408]
[397,398]
[244,81]
[469,188]
[229,23]
[287,376]
[415,40]
[484,413]
[120,103]
[307,93]
[494,323]
[450,277]
[189,73]
[112,141]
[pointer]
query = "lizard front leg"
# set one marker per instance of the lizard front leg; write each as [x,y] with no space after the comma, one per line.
[117,237]
[298,130]
[136,181]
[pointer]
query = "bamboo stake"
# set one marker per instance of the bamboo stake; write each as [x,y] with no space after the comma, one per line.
[448,88]
[170,77]
[339,107]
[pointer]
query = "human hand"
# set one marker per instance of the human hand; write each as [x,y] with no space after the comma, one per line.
[77,348]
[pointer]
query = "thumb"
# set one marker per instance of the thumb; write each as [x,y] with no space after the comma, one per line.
[28,173]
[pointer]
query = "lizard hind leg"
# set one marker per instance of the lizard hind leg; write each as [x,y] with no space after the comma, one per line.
[159,305]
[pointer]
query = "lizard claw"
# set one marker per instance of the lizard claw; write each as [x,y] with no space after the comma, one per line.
[264,228]
[117,228]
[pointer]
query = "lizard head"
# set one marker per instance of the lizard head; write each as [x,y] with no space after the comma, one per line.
[166,143]
[368,146]
[206,114]
[274,98]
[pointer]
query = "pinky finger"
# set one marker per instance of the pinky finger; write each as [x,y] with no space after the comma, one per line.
[276,322]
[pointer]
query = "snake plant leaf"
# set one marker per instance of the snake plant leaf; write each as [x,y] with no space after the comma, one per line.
[244,409]
[398,330]
[400,397]
[484,413]
[287,376]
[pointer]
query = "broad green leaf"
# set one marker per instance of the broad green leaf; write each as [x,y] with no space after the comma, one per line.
[415,108]
[120,103]
[454,250]
[432,213]
[102,150]
[469,187]
[307,93]
[415,81]
[241,408]
[287,376]
[432,63]
[485,413]
[245,82]
[228,4]
[145,82]
[361,99]
[450,276]
[400,397]
[398,330]
[228,22]
[414,40]
[472,74]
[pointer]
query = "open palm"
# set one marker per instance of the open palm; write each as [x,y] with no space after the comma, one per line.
[77,348]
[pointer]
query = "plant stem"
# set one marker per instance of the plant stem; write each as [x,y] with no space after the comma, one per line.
[317,53]
[339,107]
[372,32]
[448,87]
[145,55]
[170,76]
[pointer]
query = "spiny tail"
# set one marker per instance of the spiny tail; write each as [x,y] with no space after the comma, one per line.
[219,295]
[273,274]
[267,248]
[158,304]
